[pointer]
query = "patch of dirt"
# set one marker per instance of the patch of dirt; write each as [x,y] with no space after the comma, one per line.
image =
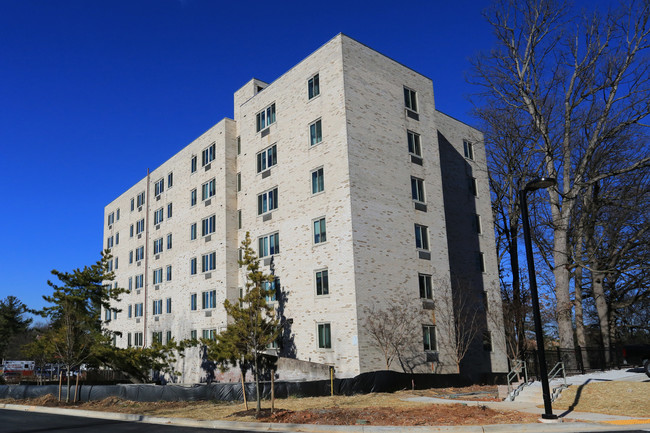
[473,393]
[612,397]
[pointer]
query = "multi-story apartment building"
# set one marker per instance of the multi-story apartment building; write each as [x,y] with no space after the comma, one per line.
[362,193]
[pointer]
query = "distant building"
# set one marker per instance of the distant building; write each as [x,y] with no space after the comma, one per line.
[361,192]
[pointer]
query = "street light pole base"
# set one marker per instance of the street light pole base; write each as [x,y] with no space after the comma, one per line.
[549,417]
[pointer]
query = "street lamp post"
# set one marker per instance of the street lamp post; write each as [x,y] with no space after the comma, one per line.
[534,185]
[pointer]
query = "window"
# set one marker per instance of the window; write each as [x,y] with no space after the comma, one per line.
[132,204]
[421,237]
[209,334]
[324,336]
[209,299]
[487,341]
[169,306]
[109,242]
[426,292]
[130,283]
[193,266]
[139,253]
[267,201]
[271,289]
[193,302]
[269,245]
[117,238]
[207,190]
[157,307]
[322,283]
[238,182]
[477,222]
[128,340]
[193,197]
[207,156]
[267,158]
[410,99]
[208,262]
[131,231]
[158,246]
[139,281]
[157,276]
[417,190]
[266,117]
[193,231]
[169,210]
[313,86]
[315,132]
[317,181]
[193,164]
[170,180]
[481,262]
[238,145]
[169,272]
[139,226]
[137,339]
[159,187]
[138,310]
[414,143]
[116,258]
[169,241]
[208,225]
[140,198]
[156,337]
[468,149]
[239,219]
[320,234]
[168,336]
[158,216]
[111,218]
[429,337]
[473,187]
[110,266]
[193,334]
[129,313]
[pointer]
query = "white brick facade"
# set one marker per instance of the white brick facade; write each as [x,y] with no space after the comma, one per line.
[370,249]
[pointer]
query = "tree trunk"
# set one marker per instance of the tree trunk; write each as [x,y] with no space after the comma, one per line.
[258,408]
[580,326]
[517,304]
[601,308]
[563,300]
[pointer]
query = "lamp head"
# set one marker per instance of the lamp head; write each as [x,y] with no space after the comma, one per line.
[539,183]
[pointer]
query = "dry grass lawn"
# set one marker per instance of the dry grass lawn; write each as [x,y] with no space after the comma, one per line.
[613,398]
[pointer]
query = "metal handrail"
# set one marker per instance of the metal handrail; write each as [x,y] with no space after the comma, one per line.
[517,369]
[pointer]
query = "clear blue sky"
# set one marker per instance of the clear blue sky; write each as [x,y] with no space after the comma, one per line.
[92,93]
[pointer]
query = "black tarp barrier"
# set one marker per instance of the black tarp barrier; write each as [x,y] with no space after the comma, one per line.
[377,381]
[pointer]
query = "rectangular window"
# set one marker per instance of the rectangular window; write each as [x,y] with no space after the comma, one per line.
[468,149]
[267,201]
[238,145]
[131,231]
[320,234]
[266,117]
[129,313]
[193,302]
[207,156]
[138,310]
[157,307]
[168,336]
[481,262]
[139,281]
[132,204]
[322,283]
[209,299]
[139,253]
[111,218]
[139,226]
[109,242]
[193,164]
[169,210]
[158,216]
[158,246]
[116,259]
[156,337]
[317,181]
[429,337]
[169,241]
[128,340]
[130,283]
[169,272]
[238,182]
[426,291]
[269,245]
[478,224]
[117,238]
[208,225]
[414,143]
[313,86]
[193,197]
[169,306]
[159,187]
[208,262]
[417,190]
[157,276]
[117,214]
[473,187]
[324,336]
[193,266]
[209,334]
[315,132]
[267,158]
[410,99]
[207,190]
[170,180]
[193,334]
[137,337]
[271,289]
[421,237]
[239,218]
[140,198]
[193,231]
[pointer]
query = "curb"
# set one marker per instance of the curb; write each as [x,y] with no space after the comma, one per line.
[315,428]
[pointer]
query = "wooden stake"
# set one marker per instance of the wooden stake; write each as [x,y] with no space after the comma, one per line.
[332,381]
[76,387]
[60,382]
[272,391]
[243,391]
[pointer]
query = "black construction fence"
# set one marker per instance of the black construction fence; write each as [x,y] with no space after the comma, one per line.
[378,381]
